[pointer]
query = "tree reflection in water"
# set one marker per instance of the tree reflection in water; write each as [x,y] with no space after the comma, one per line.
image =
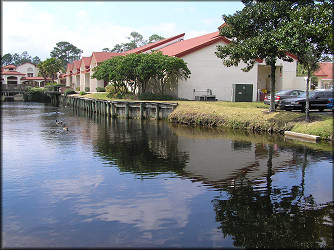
[274,217]
[266,216]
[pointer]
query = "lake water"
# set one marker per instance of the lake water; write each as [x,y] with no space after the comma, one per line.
[130,183]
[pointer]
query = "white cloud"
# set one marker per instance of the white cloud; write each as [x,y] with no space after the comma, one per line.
[195,33]
[36,27]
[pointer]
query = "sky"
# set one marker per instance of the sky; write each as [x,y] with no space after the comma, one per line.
[36,26]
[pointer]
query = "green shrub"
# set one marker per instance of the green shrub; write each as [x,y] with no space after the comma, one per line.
[100,89]
[77,88]
[87,89]
[110,88]
[69,92]
[27,88]
[154,97]
[36,95]
[82,93]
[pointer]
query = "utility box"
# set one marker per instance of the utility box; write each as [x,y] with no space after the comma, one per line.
[242,92]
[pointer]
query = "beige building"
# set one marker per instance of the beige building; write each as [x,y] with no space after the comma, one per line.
[209,77]
[16,77]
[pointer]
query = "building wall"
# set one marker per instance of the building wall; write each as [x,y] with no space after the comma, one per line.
[28,68]
[208,72]
[94,82]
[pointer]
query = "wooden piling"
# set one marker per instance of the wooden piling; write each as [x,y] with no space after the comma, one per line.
[129,109]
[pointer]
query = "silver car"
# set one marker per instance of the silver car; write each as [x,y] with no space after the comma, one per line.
[283,94]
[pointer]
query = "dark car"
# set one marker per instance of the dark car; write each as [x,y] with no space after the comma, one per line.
[318,100]
[330,104]
[283,94]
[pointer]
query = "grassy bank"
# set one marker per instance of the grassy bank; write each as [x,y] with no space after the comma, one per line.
[250,116]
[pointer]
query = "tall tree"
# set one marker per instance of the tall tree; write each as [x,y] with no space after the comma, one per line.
[136,40]
[309,36]
[254,34]
[155,38]
[36,60]
[106,50]
[23,58]
[6,59]
[66,52]
[18,59]
[49,68]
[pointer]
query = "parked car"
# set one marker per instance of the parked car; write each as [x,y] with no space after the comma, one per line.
[330,104]
[283,94]
[318,100]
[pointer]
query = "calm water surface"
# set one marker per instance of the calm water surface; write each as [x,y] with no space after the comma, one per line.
[131,183]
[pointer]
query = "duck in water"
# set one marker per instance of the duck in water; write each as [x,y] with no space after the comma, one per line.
[65,128]
[59,122]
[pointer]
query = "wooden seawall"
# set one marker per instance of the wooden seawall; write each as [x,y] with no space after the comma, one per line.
[127,109]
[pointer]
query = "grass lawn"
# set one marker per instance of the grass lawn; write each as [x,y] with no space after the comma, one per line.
[253,116]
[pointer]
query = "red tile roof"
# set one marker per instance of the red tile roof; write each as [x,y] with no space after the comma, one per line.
[12,72]
[325,71]
[69,67]
[9,66]
[151,46]
[102,56]
[186,47]
[76,64]
[86,61]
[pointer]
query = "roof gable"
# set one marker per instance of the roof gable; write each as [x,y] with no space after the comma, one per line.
[69,67]
[155,45]
[325,71]
[86,61]
[188,46]
[76,65]
[102,56]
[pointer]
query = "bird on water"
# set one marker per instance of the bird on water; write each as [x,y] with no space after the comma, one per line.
[65,128]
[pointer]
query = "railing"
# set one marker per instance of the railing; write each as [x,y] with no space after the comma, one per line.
[13,87]
[127,109]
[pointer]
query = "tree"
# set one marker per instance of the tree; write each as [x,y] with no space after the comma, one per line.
[6,59]
[23,58]
[66,52]
[136,40]
[155,38]
[106,50]
[309,37]
[137,71]
[36,60]
[254,35]
[169,71]
[17,59]
[49,68]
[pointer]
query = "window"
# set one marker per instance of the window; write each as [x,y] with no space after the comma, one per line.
[294,93]
[30,74]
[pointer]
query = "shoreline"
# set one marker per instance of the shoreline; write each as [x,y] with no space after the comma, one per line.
[242,116]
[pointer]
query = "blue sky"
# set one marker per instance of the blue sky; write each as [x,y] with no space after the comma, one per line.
[37,26]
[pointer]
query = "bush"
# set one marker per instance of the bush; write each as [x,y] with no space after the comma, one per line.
[36,95]
[87,89]
[82,93]
[69,92]
[100,89]
[154,97]
[77,88]
[110,88]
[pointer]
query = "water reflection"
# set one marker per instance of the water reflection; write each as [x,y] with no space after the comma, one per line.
[116,182]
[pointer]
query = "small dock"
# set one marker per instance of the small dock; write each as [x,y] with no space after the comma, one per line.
[302,137]
[126,109]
